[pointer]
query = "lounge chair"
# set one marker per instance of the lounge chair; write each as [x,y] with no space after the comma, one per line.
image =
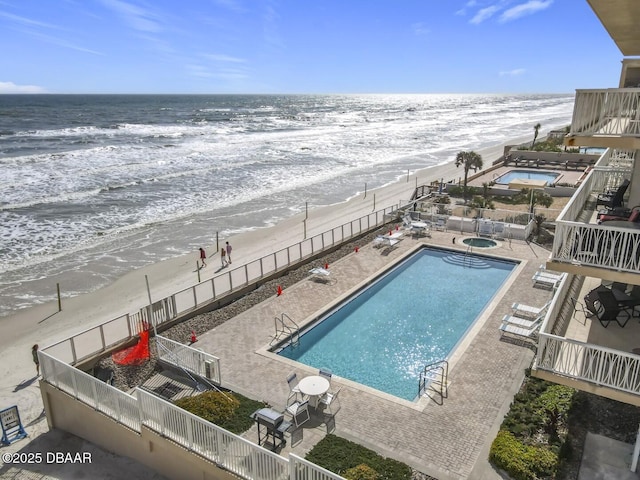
[523,322]
[320,274]
[526,333]
[528,310]
[614,199]
[547,279]
[387,240]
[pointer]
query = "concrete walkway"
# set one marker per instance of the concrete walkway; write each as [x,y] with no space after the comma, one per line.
[448,441]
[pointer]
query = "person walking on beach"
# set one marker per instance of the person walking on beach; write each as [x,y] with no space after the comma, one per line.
[203,255]
[229,248]
[223,261]
[34,354]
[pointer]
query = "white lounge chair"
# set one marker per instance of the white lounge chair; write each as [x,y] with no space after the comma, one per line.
[528,310]
[522,322]
[387,240]
[527,333]
[320,274]
[547,280]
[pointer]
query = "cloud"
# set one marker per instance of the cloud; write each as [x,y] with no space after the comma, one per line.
[137,17]
[524,9]
[484,14]
[512,73]
[420,28]
[223,58]
[469,4]
[10,87]
[26,21]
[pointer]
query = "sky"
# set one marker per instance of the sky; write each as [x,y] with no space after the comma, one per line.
[304,46]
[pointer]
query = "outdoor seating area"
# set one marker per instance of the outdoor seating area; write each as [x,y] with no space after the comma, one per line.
[609,304]
[311,396]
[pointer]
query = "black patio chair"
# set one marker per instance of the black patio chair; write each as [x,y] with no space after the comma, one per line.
[611,309]
[611,200]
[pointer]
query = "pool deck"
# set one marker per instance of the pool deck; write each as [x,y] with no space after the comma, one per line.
[450,440]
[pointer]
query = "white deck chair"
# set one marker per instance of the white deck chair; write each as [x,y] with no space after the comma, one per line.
[320,274]
[525,333]
[299,412]
[522,322]
[331,401]
[528,310]
[547,280]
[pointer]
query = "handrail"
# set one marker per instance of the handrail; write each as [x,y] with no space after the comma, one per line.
[293,333]
[435,373]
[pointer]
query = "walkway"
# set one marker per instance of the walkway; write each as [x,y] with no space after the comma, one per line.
[450,441]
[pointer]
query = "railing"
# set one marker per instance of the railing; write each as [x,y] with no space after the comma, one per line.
[434,374]
[613,111]
[188,358]
[89,390]
[292,331]
[99,339]
[203,438]
[591,363]
[214,443]
[615,248]
[593,245]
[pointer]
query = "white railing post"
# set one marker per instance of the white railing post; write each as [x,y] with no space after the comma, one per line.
[636,452]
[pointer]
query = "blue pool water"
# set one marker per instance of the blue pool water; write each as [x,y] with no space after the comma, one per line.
[507,178]
[412,316]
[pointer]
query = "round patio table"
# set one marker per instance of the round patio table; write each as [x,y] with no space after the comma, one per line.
[314,386]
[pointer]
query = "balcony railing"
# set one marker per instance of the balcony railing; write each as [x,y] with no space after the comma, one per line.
[612,111]
[593,245]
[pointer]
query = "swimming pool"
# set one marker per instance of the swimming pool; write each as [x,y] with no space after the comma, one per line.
[510,176]
[411,316]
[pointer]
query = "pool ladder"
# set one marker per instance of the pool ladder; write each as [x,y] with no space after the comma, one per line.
[434,378]
[469,251]
[286,328]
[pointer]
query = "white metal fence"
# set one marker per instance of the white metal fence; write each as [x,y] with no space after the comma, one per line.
[188,358]
[100,338]
[230,451]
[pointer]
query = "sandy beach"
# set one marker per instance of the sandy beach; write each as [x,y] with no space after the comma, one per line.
[45,325]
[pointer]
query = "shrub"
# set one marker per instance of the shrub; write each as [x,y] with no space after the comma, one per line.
[520,461]
[339,455]
[228,410]
[360,472]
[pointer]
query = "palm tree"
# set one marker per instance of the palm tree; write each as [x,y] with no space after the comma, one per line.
[469,160]
[536,129]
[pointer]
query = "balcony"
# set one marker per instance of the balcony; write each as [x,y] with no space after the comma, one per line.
[583,247]
[606,118]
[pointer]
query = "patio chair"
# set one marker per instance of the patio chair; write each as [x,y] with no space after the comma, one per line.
[331,401]
[528,310]
[578,306]
[611,200]
[299,412]
[440,224]
[611,309]
[292,380]
[326,373]
[498,230]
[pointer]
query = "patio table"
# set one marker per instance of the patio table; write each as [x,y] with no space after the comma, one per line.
[314,386]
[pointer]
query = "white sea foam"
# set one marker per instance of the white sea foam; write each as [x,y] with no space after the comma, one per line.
[72,194]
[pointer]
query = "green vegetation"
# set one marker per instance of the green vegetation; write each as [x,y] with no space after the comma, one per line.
[469,160]
[356,462]
[228,410]
[532,442]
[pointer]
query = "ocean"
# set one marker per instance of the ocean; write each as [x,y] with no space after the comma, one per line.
[94,186]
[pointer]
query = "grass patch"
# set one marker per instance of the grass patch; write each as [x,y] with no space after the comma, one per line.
[228,410]
[356,462]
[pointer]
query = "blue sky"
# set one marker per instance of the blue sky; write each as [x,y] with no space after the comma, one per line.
[303,46]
